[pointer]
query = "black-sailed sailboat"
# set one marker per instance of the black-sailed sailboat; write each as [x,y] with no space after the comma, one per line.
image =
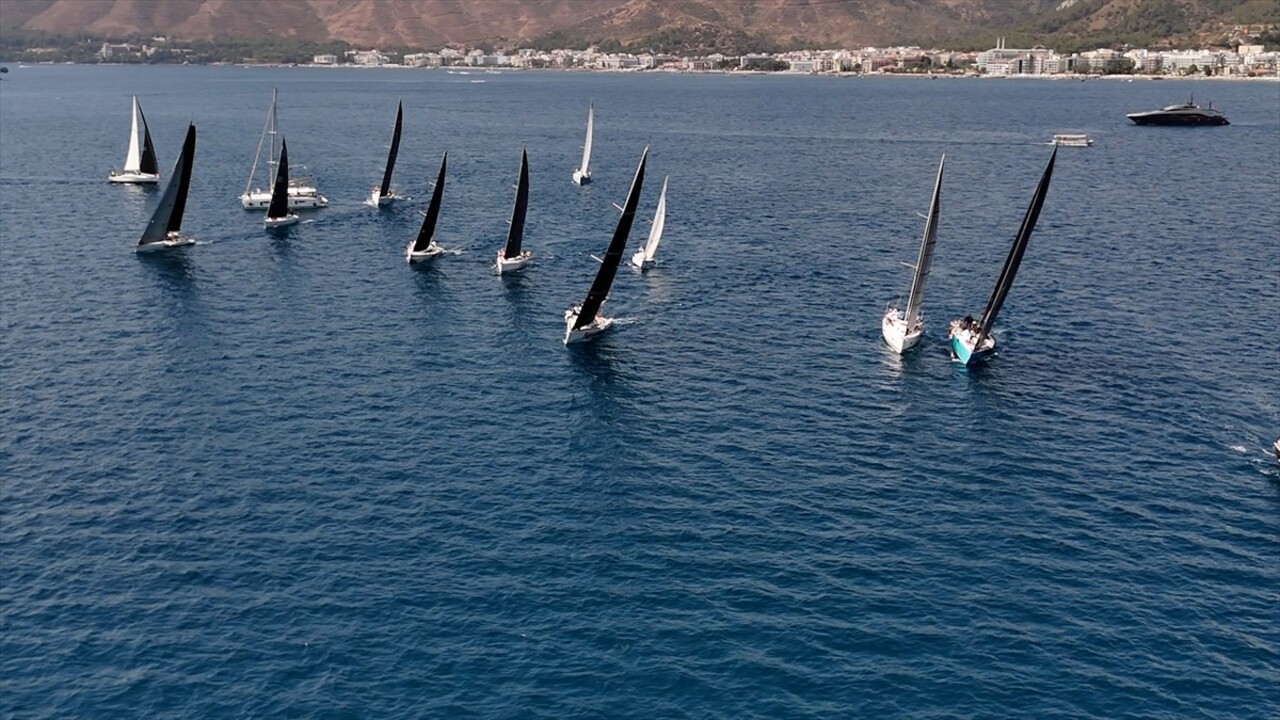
[971,340]
[384,193]
[140,164]
[424,246]
[278,214]
[512,256]
[584,321]
[902,329]
[165,228]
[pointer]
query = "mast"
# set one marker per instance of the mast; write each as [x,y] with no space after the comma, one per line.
[268,129]
[925,259]
[133,157]
[659,219]
[279,206]
[1016,252]
[168,215]
[586,147]
[609,265]
[395,149]
[149,165]
[428,229]
[515,236]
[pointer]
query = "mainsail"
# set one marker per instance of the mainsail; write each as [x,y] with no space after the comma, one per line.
[924,260]
[428,229]
[168,215]
[395,149]
[279,206]
[1016,252]
[659,220]
[609,265]
[586,147]
[515,236]
[149,164]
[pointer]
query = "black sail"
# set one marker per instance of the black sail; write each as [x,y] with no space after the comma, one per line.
[279,206]
[515,236]
[149,164]
[1016,252]
[428,229]
[613,256]
[173,203]
[395,150]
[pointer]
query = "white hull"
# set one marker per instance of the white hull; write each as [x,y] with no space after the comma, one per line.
[597,326]
[503,264]
[432,252]
[581,178]
[640,261]
[377,199]
[280,222]
[299,199]
[173,241]
[137,178]
[894,329]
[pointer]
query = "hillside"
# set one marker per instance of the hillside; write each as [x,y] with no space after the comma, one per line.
[672,25]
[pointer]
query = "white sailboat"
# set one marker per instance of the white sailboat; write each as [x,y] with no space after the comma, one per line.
[582,175]
[278,213]
[902,328]
[512,256]
[302,192]
[140,164]
[971,340]
[643,257]
[384,194]
[165,228]
[424,247]
[584,321]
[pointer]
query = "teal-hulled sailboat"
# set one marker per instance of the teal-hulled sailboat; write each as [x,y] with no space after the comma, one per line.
[971,340]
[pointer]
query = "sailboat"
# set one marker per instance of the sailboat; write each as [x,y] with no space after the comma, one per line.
[644,256]
[971,340]
[140,164]
[302,191]
[424,246]
[164,230]
[384,194]
[278,214]
[511,256]
[584,321]
[582,175]
[902,328]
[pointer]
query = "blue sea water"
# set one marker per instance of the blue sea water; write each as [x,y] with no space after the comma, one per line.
[293,477]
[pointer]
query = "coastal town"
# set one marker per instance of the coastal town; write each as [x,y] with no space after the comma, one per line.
[1240,61]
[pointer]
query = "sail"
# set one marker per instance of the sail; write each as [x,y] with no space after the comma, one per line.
[133,157]
[149,164]
[1014,260]
[586,147]
[609,265]
[395,149]
[428,229]
[279,206]
[515,236]
[659,219]
[168,215]
[915,300]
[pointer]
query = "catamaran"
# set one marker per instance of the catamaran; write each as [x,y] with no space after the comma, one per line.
[165,229]
[140,164]
[384,194]
[511,256]
[582,175]
[278,214]
[644,256]
[584,321]
[424,247]
[902,328]
[971,340]
[302,191]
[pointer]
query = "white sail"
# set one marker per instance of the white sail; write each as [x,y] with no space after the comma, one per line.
[659,219]
[133,158]
[586,147]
